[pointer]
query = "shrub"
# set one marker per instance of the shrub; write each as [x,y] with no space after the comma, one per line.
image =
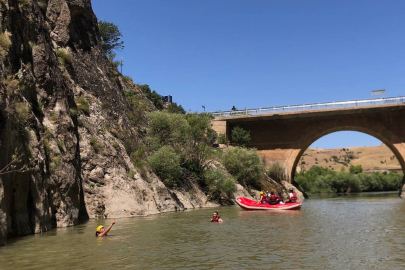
[219,184]
[82,105]
[61,145]
[174,108]
[222,139]
[245,165]
[21,113]
[116,145]
[73,113]
[166,164]
[276,172]
[240,136]
[95,144]
[47,147]
[5,44]
[131,174]
[64,57]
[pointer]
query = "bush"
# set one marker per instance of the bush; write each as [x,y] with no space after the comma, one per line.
[245,165]
[82,105]
[21,113]
[222,139]
[174,108]
[240,136]
[5,44]
[165,162]
[64,57]
[276,172]
[219,184]
[95,144]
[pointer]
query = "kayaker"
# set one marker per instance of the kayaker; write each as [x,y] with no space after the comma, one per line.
[273,199]
[100,231]
[216,218]
[263,197]
[293,196]
[280,198]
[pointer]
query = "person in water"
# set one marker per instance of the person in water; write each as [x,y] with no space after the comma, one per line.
[263,197]
[292,195]
[215,218]
[103,232]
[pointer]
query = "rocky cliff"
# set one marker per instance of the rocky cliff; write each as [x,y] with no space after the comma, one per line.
[63,109]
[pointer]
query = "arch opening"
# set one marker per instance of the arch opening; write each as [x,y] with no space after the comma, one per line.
[344,157]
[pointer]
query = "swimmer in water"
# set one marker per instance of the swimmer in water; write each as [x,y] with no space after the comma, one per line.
[103,232]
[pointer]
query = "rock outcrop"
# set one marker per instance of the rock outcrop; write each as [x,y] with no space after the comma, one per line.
[63,108]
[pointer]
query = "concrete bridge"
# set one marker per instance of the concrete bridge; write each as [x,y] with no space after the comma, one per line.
[283,135]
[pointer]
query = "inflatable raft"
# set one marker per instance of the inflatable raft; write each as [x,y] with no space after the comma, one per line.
[249,204]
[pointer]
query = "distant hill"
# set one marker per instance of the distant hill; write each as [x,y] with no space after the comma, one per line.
[375,158]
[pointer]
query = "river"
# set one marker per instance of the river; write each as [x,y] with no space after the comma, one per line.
[345,232]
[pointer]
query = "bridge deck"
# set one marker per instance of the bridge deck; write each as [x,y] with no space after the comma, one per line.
[377,102]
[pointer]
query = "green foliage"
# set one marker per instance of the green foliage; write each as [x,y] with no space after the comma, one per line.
[95,144]
[64,57]
[61,145]
[167,129]
[219,184]
[165,162]
[54,116]
[111,37]
[240,136]
[355,169]
[47,147]
[116,145]
[127,79]
[276,172]
[152,96]
[5,44]
[82,105]
[73,113]
[245,165]
[43,4]
[21,113]
[321,180]
[80,122]
[131,174]
[222,139]
[174,108]
[138,108]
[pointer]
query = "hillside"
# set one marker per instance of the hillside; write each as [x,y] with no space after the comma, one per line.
[376,158]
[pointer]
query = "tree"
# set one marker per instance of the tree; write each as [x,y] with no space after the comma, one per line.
[111,36]
[152,96]
[355,169]
[240,136]
[174,108]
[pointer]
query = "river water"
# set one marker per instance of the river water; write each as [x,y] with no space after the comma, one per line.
[347,232]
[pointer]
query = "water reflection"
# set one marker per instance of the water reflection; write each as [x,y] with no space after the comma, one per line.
[344,232]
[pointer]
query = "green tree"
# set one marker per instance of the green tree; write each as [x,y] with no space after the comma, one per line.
[174,108]
[219,184]
[240,136]
[355,169]
[152,96]
[165,162]
[111,37]
[276,172]
[245,165]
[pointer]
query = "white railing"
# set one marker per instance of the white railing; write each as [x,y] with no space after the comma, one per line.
[313,106]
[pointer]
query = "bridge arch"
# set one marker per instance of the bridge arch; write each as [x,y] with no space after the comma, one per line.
[308,140]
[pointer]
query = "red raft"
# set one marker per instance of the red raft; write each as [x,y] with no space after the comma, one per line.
[249,204]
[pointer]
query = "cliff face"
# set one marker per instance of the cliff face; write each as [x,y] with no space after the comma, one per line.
[63,109]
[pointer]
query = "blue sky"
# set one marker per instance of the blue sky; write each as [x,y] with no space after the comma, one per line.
[262,53]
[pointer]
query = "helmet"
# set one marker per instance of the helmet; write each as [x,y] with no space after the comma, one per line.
[261,192]
[291,190]
[99,228]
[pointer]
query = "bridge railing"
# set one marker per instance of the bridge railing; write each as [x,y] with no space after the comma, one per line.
[313,106]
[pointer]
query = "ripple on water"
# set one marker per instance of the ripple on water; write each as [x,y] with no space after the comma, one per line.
[336,233]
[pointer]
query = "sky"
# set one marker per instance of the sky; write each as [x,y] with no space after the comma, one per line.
[263,53]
